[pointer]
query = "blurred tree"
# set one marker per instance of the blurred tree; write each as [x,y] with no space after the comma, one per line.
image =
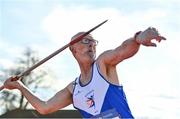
[10,100]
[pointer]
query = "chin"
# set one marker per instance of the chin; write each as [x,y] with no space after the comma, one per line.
[93,57]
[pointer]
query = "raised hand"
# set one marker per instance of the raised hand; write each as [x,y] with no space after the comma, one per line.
[145,38]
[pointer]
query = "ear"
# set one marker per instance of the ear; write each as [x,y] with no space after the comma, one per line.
[72,49]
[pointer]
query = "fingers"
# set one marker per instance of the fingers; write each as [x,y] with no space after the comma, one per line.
[155,34]
[11,83]
[163,38]
[11,79]
[8,81]
[14,78]
[150,44]
[159,38]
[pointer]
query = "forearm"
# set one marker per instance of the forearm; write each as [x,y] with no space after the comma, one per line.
[38,104]
[128,48]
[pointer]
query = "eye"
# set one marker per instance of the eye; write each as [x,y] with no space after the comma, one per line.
[86,41]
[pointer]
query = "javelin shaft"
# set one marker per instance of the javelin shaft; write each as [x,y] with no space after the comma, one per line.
[59,50]
[42,61]
[26,72]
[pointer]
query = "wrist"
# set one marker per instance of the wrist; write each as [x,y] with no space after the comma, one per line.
[135,37]
[20,86]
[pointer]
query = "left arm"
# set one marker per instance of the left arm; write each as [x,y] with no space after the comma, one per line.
[126,50]
[108,60]
[130,47]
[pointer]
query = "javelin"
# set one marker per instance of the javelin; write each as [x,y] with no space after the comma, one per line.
[26,72]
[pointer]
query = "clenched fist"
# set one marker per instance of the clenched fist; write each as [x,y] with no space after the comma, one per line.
[12,83]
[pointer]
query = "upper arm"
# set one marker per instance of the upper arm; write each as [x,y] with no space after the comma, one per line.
[127,49]
[110,57]
[60,100]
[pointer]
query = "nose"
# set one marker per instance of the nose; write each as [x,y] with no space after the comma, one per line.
[91,43]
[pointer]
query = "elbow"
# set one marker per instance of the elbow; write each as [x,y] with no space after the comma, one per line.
[44,109]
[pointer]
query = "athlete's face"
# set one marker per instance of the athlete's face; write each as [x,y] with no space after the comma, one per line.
[86,48]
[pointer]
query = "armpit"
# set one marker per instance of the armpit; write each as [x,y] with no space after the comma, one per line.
[71,86]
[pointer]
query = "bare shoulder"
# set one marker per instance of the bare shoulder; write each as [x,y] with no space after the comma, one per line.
[105,55]
[105,59]
[106,68]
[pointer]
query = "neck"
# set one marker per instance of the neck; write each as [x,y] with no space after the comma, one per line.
[86,72]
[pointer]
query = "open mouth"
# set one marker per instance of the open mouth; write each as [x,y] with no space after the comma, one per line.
[90,51]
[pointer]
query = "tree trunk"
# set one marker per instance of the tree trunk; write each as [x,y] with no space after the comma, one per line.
[26,105]
[21,102]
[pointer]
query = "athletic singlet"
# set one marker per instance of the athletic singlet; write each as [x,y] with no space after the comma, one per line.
[99,96]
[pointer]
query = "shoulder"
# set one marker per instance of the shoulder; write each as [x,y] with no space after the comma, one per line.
[105,59]
[105,55]
[106,68]
[109,57]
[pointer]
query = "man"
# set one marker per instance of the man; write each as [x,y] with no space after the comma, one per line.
[97,92]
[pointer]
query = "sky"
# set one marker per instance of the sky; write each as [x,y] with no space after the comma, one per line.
[150,78]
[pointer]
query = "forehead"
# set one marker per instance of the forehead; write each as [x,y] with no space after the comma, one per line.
[89,36]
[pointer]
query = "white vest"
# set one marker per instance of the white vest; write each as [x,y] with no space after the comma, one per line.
[90,97]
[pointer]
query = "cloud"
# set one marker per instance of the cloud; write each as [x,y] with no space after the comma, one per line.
[9,52]
[63,23]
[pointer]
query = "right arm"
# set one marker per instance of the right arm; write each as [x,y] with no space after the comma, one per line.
[60,100]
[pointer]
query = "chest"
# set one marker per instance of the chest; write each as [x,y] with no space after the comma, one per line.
[90,98]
